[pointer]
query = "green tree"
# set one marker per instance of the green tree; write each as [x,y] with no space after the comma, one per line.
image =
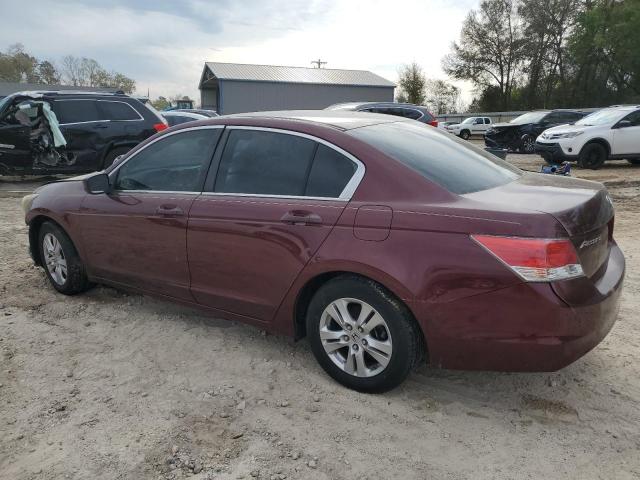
[161,103]
[48,73]
[411,84]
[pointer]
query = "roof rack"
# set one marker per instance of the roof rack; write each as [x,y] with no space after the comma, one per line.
[72,92]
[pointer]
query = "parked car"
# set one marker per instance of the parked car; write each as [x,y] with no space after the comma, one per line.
[200,111]
[444,125]
[382,241]
[519,135]
[70,132]
[608,134]
[175,117]
[405,110]
[470,126]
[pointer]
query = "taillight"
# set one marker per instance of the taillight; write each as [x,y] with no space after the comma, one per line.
[158,127]
[534,259]
[434,123]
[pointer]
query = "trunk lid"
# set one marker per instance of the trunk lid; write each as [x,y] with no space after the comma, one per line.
[582,207]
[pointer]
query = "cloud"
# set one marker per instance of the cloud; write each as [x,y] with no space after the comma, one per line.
[163,44]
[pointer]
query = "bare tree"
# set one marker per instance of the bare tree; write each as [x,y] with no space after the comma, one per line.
[490,51]
[442,97]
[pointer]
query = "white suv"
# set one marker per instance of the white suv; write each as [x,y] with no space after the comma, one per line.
[470,126]
[610,133]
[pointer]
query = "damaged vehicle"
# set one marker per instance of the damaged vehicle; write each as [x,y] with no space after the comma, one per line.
[70,132]
[519,135]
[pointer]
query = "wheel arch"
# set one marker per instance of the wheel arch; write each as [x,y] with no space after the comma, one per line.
[314,283]
[600,141]
[34,231]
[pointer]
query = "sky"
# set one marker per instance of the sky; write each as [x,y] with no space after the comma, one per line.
[163,44]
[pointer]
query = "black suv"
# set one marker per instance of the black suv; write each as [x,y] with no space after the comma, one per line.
[406,110]
[519,135]
[70,132]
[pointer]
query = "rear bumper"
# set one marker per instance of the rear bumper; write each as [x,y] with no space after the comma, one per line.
[554,151]
[525,327]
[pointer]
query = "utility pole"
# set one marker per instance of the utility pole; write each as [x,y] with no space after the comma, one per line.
[319,63]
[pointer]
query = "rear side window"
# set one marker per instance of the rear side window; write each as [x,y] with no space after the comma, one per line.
[77,111]
[412,114]
[267,163]
[118,111]
[444,159]
[330,173]
[176,163]
[177,119]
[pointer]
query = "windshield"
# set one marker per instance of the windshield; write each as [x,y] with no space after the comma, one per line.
[602,117]
[531,117]
[452,163]
[469,120]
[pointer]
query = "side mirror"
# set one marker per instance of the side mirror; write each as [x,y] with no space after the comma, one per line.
[623,124]
[98,183]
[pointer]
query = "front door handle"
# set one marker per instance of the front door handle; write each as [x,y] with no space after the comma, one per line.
[169,211]
[301,217]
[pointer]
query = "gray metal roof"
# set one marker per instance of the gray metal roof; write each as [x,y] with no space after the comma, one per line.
[274,73]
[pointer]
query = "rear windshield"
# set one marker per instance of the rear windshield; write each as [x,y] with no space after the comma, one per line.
[453,163]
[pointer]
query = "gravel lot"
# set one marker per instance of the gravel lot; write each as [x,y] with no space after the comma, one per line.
[118,386]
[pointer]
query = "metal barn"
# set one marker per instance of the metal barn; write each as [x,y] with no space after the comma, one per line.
[236,88]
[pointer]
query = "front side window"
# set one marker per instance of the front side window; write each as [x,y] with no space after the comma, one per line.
[266,163]
[118,111]
[77,111]
[634,118]
[176,163]
[454,164]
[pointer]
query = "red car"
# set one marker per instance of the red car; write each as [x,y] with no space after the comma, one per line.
[384,241]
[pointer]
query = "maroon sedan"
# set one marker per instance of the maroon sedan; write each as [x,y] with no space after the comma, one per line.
[384,241]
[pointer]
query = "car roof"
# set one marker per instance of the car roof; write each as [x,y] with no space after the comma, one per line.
[341,120]
[354,105]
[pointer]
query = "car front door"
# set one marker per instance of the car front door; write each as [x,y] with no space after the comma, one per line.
[275,198]
[135,235]
[626,137]
[15,146]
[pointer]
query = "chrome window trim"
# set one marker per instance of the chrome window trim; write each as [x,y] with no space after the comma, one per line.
[346,193]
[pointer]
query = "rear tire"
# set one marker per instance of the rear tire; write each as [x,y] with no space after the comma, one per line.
[465,134]
[361,335]
[61,261]
[593,156]
[112,155]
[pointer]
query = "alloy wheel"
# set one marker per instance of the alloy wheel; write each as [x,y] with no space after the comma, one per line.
[528,144]
[54,258]
[356,337]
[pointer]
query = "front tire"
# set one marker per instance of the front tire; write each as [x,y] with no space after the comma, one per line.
[361,335]
[465,134]
[61,262]
[593,156]
[528,144]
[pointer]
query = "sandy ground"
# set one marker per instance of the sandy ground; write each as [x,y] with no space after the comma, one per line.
[108,385]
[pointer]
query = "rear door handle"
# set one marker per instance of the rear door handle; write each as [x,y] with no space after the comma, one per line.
[301,217]
[169,211]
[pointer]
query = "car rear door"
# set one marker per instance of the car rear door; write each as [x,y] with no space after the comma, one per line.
[136,234]
[273,201]
[626,139]
[83,124]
